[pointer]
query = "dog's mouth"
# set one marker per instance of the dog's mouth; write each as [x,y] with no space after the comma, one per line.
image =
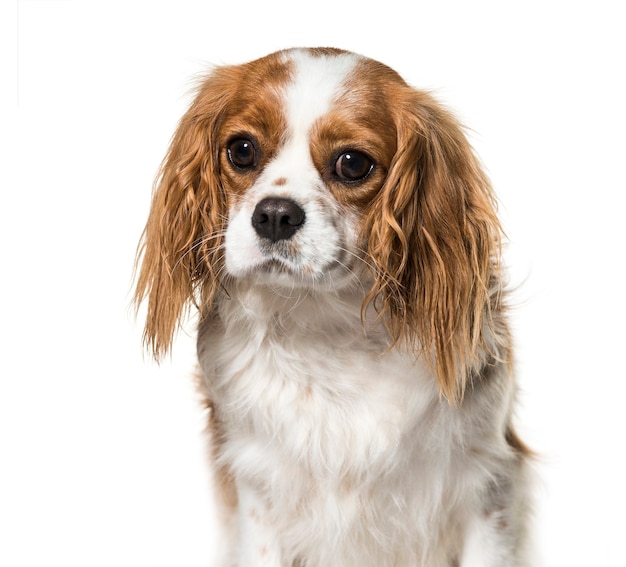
[275,271]
[289,270]
[276,266]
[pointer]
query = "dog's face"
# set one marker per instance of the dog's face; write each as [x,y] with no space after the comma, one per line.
[315,168]
[302,154]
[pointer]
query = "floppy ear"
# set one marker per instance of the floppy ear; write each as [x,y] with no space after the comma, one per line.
[435,248]
[179,249]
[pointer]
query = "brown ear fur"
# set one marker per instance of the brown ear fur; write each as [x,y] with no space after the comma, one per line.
[434,242]
[179,247]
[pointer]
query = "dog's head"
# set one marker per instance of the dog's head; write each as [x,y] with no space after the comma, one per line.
[318,169]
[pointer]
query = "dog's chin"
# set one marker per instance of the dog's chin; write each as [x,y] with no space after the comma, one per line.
[279,274]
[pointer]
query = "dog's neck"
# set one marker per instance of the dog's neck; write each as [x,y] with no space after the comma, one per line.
[297,310]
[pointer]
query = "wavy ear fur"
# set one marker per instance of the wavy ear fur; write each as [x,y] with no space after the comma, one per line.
[434,241]
[179,246]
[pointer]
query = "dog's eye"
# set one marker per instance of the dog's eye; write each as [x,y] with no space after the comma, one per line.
[353,166]
[242,153]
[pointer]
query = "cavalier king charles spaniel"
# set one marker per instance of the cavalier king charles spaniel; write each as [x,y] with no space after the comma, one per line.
[339,239]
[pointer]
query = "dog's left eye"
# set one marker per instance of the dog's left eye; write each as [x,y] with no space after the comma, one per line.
[242,153]
[353,166]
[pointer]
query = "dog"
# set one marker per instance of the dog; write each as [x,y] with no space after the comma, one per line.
[339,239]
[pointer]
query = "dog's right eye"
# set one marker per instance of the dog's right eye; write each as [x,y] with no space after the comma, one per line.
[353,166]
[242,153]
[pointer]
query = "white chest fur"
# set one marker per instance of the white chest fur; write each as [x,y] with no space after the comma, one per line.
[335,436]
[302,378]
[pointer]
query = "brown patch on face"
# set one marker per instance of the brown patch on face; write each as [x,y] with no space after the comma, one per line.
[254,113]
[279,182]
[361,120]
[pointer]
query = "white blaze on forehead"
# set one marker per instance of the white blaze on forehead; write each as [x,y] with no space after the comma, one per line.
[318,80]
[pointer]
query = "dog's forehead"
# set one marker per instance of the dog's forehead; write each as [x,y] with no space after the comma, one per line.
[317,81]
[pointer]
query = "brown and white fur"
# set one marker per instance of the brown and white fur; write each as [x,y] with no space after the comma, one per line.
[339,238]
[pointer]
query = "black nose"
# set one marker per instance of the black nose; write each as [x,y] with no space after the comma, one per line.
[277,219]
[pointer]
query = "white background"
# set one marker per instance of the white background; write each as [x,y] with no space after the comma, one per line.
[102,460]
